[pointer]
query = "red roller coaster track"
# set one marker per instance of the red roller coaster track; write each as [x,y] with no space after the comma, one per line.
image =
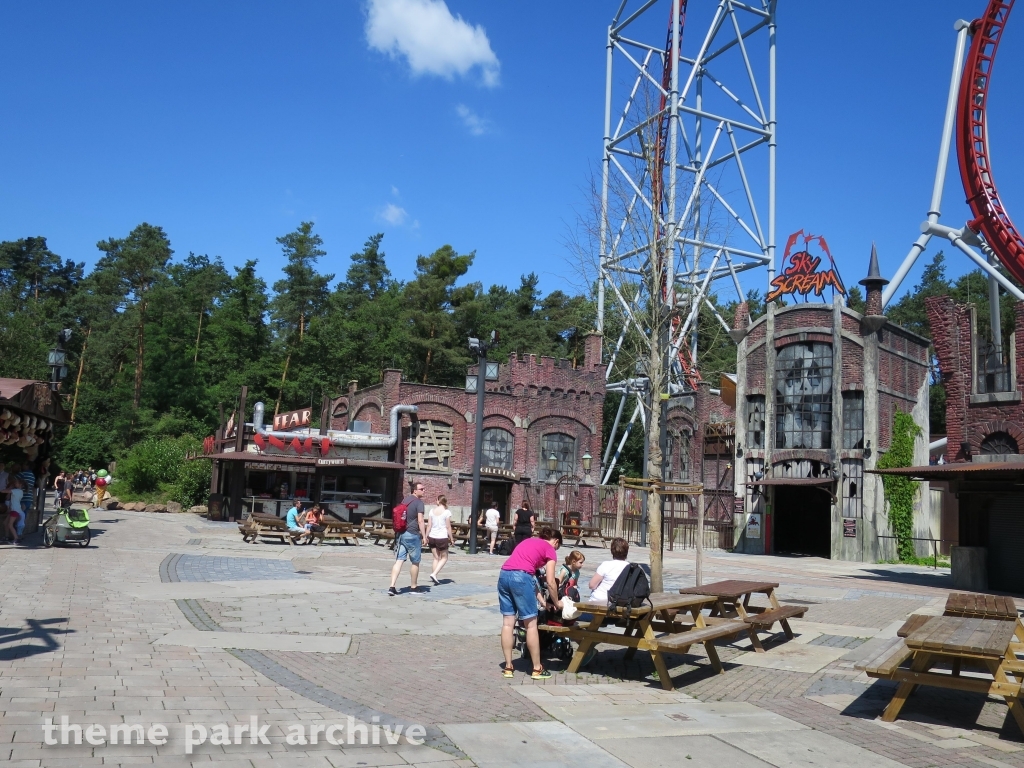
[990,217]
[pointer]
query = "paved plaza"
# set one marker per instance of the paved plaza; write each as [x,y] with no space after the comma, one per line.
[173,621]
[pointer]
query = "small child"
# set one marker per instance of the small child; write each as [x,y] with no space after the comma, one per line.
[568,575]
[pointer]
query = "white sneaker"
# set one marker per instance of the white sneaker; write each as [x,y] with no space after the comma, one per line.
[433,578]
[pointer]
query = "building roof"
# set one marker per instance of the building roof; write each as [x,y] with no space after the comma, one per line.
[24,395]
[964,469]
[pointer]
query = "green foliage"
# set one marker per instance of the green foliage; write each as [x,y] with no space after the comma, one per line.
[87,445]
[151,462]
[192,485]
[157,467]
[900,491]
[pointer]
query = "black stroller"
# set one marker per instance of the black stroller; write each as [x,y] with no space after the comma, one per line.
[552,644]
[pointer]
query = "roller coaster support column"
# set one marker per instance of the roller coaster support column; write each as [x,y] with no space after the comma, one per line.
[993,311]
[963,239]
[963,30]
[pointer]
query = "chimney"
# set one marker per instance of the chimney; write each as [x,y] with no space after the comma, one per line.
[592,350]
[740,322]
[873,283]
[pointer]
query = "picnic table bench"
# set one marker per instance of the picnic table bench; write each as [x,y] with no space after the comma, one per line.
[641,626]
[972,605]
[952,641]
[584,532]
[733,602]
[378,528]
[338,530]
[270,527]
[460,533]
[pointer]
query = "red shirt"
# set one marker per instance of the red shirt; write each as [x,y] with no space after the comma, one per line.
[530,556]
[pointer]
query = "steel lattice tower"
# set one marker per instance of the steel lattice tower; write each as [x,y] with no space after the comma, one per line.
[688,173]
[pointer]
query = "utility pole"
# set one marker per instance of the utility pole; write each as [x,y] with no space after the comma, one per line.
[480,349]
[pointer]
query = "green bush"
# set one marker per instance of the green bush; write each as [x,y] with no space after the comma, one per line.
[160,465]
[192,485]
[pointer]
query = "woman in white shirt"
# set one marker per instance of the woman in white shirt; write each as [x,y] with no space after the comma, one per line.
[609,571]
[15,521]
[439,535]
[490,520]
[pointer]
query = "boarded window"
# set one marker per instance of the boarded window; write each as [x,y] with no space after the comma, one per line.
[430,446]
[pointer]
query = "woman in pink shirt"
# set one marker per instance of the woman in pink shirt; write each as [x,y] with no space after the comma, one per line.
[517,595]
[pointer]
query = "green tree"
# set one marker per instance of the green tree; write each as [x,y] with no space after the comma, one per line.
[301,295]
[138,261]
[437,353]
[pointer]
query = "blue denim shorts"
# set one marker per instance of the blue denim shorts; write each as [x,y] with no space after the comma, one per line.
[410,545]
[517,594]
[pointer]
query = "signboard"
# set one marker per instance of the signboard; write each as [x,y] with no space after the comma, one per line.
[800,273]
[331,462]
[508,474]
[266,466]
[754,526]
[849,528]
[293,420]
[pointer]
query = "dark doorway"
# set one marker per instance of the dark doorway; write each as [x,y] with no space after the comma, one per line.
[497,494]
[803,521]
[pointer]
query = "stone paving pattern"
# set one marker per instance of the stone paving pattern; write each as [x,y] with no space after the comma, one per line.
[73,643]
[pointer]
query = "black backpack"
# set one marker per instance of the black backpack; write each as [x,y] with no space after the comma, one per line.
[630,590]
[505,548]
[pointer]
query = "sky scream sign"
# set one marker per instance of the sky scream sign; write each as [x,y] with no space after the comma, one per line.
[800,272]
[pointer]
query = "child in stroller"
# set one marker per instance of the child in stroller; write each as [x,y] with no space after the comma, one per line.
[553,644]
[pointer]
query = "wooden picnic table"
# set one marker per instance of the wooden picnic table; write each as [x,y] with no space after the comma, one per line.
[733,601]
[973,605]
[583,532]
[952,641]
[642,624]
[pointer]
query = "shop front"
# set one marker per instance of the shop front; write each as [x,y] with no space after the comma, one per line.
[29,411]
[257,469]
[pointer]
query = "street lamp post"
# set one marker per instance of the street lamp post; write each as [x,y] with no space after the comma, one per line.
[480,349]
[57,360]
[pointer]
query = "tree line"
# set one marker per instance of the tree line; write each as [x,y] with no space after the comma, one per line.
[160,343]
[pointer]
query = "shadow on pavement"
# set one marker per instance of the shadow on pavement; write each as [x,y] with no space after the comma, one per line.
[940,707]
[20,643]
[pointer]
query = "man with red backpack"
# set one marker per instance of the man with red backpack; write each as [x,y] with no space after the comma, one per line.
[410,534]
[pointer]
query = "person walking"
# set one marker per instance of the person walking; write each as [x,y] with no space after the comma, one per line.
[525,522]
[439,535]
[490,520]
[409,543]
[517,595]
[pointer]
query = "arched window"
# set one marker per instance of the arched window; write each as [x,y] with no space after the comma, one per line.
[430,446]
[563,448]
[803,396]
[999,443]
[497,448]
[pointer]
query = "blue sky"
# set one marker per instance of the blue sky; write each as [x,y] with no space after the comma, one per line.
[228,123]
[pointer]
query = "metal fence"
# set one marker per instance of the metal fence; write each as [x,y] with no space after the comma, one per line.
[679,524]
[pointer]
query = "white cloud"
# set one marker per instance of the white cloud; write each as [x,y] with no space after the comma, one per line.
[394,190]
[476,125]
[432,40]
[393,214]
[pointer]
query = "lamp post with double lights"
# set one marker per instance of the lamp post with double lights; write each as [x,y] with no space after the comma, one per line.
[480,349]
[57,359]
[552,462]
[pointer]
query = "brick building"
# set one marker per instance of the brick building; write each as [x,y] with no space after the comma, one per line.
[535,408]
[983,470]
[817,388]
